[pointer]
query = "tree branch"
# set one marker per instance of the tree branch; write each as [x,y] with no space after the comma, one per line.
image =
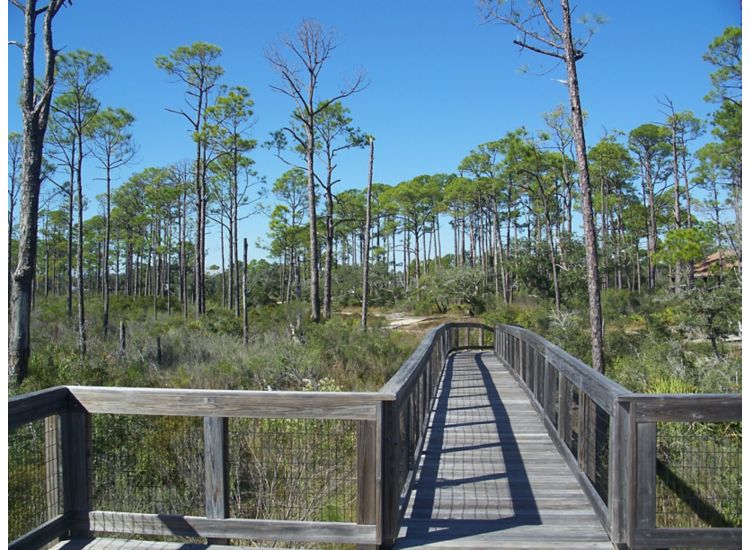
[539,50]
[183,113]
[548,19]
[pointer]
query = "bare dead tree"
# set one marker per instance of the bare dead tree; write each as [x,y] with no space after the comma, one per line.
[366,251]
[308,51]
[15,158]
[539,33]
[35,106]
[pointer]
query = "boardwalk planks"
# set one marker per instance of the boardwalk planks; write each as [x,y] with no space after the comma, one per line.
[489,475]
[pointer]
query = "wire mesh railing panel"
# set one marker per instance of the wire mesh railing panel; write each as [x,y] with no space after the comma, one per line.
[539,376]
[600,477]
[478,337]
[293,469]
[699,474]
[570,437]
[34,475]
[148,464]
[553,412]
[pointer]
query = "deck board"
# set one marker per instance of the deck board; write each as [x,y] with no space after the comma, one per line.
[106,543]
[490,476]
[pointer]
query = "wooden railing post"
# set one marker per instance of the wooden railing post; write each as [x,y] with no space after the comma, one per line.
[645,476]
[369,474]
[391,461]
[76,456]
[619,448]
[216,450]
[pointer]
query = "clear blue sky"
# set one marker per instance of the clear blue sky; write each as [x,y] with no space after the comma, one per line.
[441,82]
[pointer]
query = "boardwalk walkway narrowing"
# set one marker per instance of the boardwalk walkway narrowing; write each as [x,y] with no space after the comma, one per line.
[490,476]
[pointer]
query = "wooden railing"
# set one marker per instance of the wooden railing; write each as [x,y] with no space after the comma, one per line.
[75,407]
[608,436]
[413,389]
[390,429]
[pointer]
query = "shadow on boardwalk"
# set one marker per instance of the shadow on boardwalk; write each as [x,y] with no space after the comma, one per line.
[473,479]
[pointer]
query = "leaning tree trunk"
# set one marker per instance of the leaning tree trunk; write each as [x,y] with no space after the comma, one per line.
[592,260]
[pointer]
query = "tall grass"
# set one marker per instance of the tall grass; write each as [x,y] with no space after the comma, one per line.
[209,352]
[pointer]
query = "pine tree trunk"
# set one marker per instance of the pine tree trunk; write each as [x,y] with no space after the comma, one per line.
[71,212]
[223,268]
[107,234]
[81,304]
[592,260]
[677,220]
[245,324]
[313,219]
[327,287]
[366,252]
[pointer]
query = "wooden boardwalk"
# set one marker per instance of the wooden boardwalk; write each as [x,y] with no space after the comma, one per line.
[490,476]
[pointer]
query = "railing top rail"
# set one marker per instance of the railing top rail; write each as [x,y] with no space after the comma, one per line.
[605,391]
[686,407]
[407,373]
[229,403]
[28,407]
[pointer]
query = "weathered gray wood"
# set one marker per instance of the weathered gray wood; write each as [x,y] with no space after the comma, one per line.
[192,526]
[549,388]
[52,444]
[632,473]
[29,407]
[76,455]
[645,479]
[368,477]
[216,450]
[490,473]
[595,501]
[687,407]
[619,477]
[714,537]
[563,410]
[583,435]
[399,383]
[391,491]
[40,536]
[105,543]
[248,404]
[597,386]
